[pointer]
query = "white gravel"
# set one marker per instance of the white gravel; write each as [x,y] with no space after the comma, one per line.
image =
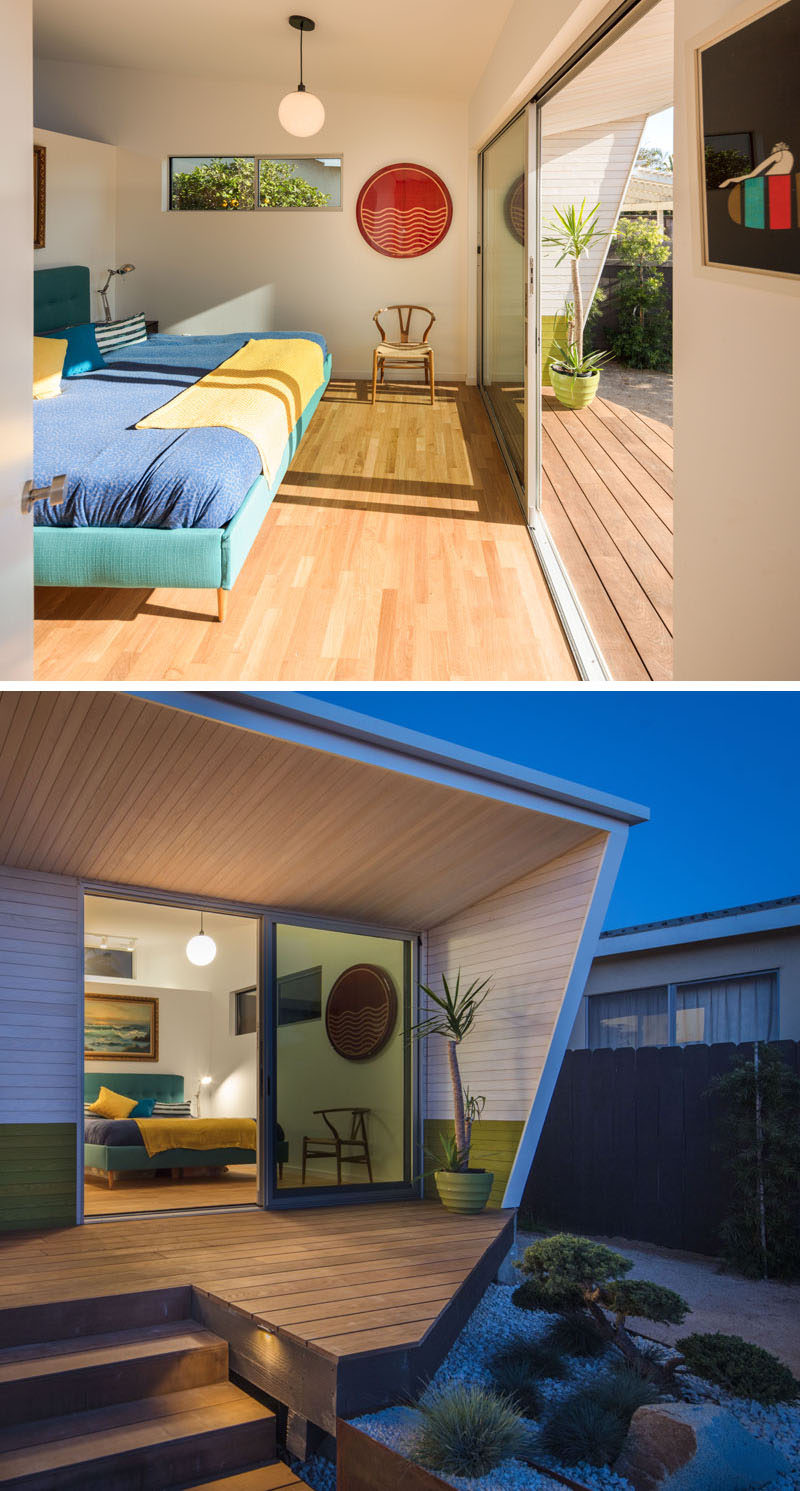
[497,1321]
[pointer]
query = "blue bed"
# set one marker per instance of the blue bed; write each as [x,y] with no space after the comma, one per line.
[114,1145]
[145,508]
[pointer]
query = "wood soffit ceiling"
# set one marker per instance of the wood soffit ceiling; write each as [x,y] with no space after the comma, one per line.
[105,786]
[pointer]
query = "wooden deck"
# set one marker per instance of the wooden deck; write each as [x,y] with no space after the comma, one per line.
[330,1311]
[607,500]
[395,549]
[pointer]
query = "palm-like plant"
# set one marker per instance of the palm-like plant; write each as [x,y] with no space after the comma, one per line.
[573,233]
[453,1018]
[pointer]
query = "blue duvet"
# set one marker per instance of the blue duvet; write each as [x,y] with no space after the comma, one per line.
[121,477]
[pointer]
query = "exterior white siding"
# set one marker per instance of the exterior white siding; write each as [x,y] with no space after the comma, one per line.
[41,963]
[594,164]
[526,937]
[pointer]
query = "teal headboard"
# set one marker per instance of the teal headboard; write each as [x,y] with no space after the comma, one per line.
[61,297]
[165,1086]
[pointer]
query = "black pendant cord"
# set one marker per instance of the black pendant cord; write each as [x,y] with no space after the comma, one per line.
[301,86]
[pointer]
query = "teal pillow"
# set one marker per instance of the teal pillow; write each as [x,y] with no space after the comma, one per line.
[82,354]
[143,1109]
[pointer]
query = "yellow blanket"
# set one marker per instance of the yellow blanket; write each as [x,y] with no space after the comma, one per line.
[261,391]
[160,1134]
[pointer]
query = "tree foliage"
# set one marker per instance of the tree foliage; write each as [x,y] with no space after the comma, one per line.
[229,185]
[759,1136]
[643,338]
[722,164]
[651,158]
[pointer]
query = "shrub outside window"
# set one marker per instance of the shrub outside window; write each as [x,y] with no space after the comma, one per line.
[247,183]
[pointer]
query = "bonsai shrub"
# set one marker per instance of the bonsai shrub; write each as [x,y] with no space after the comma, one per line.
[759,1136]
[643,338]
[743,1369]
[468,1430]
[574,1273]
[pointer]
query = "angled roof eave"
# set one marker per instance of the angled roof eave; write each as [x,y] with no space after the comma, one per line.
[323,726]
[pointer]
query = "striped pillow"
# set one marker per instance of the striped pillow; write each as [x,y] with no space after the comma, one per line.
[172,1110]
[113,334]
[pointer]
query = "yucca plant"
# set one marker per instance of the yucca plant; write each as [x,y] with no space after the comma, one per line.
[574,361]
[452,1017]
[574,232]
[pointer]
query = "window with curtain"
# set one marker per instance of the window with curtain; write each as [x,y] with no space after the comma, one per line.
[637,1017]
[734,1009]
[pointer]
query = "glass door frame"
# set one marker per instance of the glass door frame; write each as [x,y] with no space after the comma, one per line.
[285,1198]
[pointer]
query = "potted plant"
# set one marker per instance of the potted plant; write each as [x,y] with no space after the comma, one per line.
[461,1188]
[573,375]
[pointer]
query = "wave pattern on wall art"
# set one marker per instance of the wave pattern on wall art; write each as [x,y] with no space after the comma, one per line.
[361,1012]
[404,211]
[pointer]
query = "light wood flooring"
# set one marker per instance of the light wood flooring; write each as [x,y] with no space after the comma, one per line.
[149,1192]
[394,550]
[607,500]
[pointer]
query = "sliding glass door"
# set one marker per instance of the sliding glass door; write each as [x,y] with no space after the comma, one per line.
[342,1061]
[504,289]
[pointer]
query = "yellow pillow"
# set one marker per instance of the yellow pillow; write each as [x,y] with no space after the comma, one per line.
[48,360]
[112,1104]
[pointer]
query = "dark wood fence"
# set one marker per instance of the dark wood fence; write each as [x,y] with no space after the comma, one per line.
[629,1146]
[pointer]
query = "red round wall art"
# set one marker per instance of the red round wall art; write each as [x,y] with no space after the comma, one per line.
[404,211]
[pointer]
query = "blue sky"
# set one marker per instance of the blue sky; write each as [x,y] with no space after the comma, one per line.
[658,130]
[718,770]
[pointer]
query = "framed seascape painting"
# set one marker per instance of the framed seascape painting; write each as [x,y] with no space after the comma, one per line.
[749,110]
[121,1027]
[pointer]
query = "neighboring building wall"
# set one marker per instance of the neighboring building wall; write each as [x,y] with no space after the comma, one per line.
[81,209]
[723,958]
[260,271]
[41,1058]
[592,165]
[525,937]
[737,517]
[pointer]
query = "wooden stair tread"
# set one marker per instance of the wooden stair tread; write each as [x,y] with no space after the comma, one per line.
[267,1478]
[81,1438]
[48,1357]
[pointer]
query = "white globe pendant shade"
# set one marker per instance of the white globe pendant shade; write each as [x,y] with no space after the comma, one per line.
[301,113]
[201,949]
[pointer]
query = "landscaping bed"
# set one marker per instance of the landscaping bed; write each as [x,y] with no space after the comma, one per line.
[497,1322]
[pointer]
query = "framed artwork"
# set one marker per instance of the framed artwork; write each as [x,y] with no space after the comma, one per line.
[404,211]
[108,962]
[361,1012]
[39,194]
[120,1027]
[749,113]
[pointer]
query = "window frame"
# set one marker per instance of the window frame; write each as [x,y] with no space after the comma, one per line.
[672,989]
[256,159]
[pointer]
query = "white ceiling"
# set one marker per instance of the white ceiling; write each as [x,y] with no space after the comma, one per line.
[631,78]
[432,47]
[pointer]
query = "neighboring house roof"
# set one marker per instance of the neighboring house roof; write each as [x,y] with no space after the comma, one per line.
[732,921]
[648,191]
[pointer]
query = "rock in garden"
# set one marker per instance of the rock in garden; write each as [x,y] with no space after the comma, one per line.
[688,1447]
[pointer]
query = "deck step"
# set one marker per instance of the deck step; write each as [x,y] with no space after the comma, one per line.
[153,1444]
[277,1477]
[53,1378]
[21,1325]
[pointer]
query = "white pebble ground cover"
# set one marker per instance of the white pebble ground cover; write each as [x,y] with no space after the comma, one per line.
[496,1322]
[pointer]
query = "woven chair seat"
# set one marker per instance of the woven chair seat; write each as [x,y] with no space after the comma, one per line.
[403,349]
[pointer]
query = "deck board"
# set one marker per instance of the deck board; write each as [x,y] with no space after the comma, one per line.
[345,1284]
[607,500]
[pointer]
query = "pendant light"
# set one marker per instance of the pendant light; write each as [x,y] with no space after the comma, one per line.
[201,949]
[301,113]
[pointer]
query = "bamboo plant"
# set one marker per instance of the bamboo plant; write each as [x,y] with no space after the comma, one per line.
[452,1018]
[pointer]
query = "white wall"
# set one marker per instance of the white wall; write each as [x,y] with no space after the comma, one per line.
[16,364]
[81,208]
[592,164]
[261,271]
[737,497]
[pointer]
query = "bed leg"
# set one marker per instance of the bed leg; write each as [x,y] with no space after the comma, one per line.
[112,1175]
[222,603]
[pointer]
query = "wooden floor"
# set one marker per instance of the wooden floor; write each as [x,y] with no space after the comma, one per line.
[236,1186]
[394,550]
[337,1307]
[607,500]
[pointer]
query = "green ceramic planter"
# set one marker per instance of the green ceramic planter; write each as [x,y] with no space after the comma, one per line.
[463,1190]
[574,393]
